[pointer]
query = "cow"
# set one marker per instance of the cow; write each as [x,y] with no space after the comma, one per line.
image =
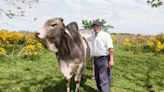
[71,48]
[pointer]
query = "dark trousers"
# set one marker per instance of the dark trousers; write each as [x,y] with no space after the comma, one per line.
[102,73]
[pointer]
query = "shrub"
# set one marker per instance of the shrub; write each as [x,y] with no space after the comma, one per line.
[21,43]
[32,49]
[156,44]
[2,51]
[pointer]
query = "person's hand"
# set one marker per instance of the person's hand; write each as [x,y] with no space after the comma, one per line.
[111,64]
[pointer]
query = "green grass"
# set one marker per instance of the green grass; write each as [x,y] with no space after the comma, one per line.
[141,72]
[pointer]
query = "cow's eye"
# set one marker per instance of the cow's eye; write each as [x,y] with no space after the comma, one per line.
[53,25]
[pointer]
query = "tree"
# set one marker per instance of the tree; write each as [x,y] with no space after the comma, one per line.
[17,7]
[155,3]
[87,24]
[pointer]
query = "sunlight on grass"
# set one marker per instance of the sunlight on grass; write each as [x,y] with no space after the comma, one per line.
[133,72]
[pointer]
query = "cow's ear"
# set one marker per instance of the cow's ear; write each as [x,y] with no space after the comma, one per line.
[61,19]
[72,26]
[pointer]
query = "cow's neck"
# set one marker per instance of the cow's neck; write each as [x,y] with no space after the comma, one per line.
[68,49]
[64,49]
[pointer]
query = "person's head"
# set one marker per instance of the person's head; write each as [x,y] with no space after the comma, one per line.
[97,25]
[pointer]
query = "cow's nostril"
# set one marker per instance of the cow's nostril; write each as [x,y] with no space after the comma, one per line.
[36,34]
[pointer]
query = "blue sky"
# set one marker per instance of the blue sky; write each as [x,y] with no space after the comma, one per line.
[127,16]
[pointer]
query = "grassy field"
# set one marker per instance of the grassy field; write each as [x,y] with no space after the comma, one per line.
[142,72]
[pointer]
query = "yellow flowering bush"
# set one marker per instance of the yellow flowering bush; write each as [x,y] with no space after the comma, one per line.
[140,38]
[140,43]
[156,43]
[19,43]
[127,42]
[114,38]
[131,44]
[8,39]
[150,44]
[32,49]
[135,43]
[160,46]
[2,51]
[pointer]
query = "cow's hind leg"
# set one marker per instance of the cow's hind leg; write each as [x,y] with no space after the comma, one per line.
[67,84]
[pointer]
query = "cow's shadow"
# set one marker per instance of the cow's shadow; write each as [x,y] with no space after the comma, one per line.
[61,87]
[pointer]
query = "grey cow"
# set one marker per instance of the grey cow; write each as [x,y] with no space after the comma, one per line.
[70,47]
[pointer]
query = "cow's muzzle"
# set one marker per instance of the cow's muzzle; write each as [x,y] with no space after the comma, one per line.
[37,34]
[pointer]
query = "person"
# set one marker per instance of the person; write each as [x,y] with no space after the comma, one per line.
[102,51]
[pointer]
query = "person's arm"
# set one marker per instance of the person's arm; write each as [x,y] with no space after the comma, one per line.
[110,47]
[111,55]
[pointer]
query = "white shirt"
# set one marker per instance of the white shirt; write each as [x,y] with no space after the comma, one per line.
[100,43]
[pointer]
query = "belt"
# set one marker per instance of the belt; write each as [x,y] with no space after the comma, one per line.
[97,57]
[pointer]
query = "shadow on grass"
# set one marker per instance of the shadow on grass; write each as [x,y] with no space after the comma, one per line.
[61,87]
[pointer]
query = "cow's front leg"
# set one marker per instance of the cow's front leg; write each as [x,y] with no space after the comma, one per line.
[77,86]
[78,77]
[67,84]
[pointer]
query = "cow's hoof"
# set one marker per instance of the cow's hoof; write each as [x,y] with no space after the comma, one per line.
[68,91]
[77,90]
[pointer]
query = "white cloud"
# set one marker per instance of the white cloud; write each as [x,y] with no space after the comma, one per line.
[132,16]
